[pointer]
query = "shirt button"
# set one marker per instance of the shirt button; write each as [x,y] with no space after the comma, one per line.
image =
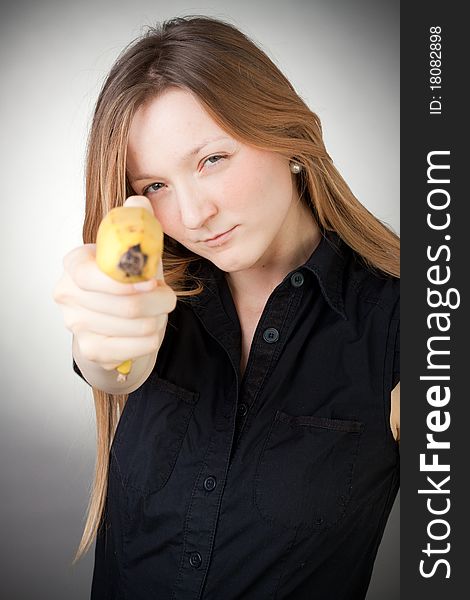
[195,560]
[297,279]
[270,335]
[210,483]
[242,410]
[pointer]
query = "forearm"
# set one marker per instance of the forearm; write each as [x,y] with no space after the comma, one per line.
[105,380]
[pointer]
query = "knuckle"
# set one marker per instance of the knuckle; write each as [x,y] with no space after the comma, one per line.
[64,290]
[82,274]
[59,293]
[71,321]
[62,297]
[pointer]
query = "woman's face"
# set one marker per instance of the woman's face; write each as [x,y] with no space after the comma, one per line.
[201,182]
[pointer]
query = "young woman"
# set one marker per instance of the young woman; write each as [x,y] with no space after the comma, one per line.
[253,450]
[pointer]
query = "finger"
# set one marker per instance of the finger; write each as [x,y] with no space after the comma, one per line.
[89,277]
[139,305]
[78,319]
[81,266]
[109,350]
[110,366]
[139,201]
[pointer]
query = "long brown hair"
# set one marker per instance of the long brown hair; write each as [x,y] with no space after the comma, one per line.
[247,96]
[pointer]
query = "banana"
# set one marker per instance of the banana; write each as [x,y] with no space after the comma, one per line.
[129,245]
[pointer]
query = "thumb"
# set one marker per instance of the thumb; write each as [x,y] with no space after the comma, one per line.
[145,286]
[140,202]
[159,274]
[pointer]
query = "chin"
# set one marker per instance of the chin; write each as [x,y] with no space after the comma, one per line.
[236,265]
[236,257]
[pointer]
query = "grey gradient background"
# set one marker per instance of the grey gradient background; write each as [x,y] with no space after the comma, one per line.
[341,56]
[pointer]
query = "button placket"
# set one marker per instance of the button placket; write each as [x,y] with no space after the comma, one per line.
[279,310]
[276,317]
[201,516]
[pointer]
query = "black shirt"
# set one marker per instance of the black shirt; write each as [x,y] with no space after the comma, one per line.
[274,485]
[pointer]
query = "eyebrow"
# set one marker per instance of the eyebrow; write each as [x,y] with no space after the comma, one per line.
[185,157]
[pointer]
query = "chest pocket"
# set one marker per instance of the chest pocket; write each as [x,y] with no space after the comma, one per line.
[305,471]
[150,434]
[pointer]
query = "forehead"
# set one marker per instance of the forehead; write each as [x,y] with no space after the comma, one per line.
[175,119]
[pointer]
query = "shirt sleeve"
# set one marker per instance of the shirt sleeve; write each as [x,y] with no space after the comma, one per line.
[396,359]
[77,370]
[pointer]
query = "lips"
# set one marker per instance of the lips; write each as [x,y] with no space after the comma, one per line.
[218,235]
[220,239]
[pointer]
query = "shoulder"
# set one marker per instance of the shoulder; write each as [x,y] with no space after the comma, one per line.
[372,304]
[373,298]
[366,288]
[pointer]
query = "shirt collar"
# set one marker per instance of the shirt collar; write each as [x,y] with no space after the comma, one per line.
[327,263]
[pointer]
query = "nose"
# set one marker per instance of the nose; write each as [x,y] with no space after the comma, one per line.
[195,208]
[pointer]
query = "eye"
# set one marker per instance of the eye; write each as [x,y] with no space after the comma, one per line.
[151,189]
[154,187]
[214,156]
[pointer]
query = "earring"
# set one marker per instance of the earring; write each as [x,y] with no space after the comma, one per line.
[295,167]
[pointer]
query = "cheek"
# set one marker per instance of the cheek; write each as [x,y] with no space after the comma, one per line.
[264,194]
[167,220]
[245,189]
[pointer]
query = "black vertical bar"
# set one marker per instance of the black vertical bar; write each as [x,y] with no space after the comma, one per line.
[435,252]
